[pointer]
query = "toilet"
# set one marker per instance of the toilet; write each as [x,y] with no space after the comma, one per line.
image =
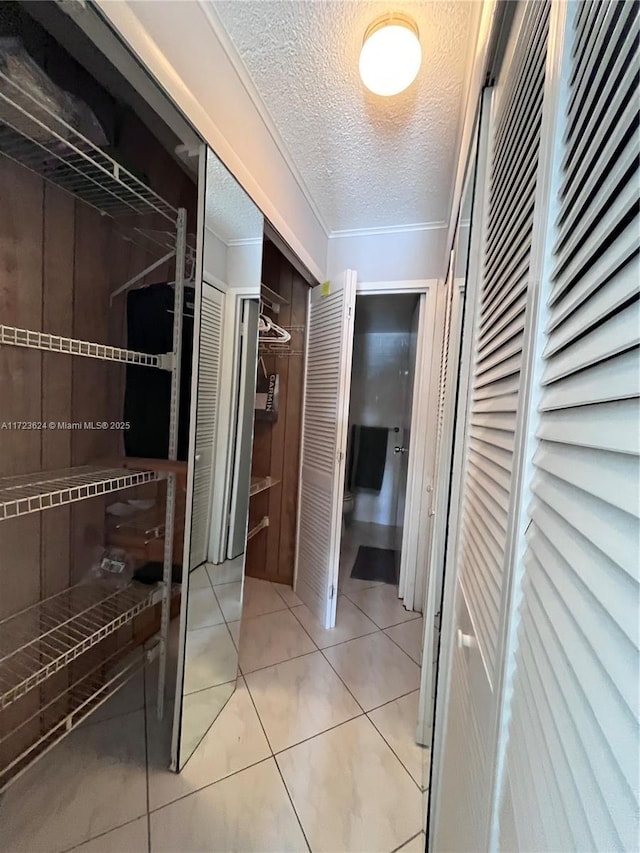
[348,505]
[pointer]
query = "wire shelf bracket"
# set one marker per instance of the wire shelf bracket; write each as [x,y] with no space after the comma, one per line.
[26,493]
[264,522]
[142,274]
[261,484]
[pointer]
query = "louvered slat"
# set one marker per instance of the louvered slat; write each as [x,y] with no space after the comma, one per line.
[576,667]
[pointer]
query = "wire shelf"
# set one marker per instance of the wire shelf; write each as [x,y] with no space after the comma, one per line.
[68,708]
[261,484]
[25,493]
[54,343]
[34,136]
[272,300]
[46,637]
[149,522]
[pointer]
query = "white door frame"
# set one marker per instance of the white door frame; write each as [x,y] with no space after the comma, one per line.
[421,462]
[229,379]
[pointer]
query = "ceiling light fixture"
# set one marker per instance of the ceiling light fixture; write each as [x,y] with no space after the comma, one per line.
[391,54]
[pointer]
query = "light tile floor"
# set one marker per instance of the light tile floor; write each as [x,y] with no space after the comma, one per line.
[314,751]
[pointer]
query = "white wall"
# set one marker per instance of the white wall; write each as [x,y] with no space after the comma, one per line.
[397,255]
[180,45]
[244,265]
[379,389]
[215,258]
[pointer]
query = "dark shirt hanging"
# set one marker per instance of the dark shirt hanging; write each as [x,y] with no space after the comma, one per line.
[368,457]
[148,390]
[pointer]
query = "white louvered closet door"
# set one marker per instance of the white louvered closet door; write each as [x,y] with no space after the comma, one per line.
[324,443]
[478,556]
[206,420]
[449,363]
[572,754]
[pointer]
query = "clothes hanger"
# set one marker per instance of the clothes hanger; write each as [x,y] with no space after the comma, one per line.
[268,331]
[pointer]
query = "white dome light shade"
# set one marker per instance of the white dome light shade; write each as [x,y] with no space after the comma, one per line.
[391,55]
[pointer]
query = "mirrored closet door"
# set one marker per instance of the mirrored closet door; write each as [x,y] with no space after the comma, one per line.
[224,376]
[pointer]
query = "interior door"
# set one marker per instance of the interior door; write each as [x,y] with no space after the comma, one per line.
[212,312]
[487,449]
[324,443]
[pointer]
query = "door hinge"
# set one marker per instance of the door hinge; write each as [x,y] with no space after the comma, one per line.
[340,456]
[332,591]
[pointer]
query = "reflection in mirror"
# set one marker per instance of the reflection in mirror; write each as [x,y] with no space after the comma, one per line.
[221,456]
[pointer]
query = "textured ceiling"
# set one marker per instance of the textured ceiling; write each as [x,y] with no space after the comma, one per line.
[366,161]
[230,213]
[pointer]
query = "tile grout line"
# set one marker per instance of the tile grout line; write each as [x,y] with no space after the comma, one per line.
[384,631]
[342,679]
[404,843]
[386,628]
[304,834]
[401,762]
[318,734]
[341,642]
[99,835]
[357,716]
[202,689]
[318,649]
[390,701]
[277,663]
[255,708]
[208,785]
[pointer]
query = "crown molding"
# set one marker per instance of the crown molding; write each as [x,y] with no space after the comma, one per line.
[390,229]
[246,241]
[217,25]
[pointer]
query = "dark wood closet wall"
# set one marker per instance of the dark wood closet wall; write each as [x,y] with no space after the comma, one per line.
[276,446]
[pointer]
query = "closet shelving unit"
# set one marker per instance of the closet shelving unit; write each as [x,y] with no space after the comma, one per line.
[40,641]
[272,302]
[70,706]
[275,463]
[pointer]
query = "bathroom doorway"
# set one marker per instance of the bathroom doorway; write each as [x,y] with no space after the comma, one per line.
[385,347]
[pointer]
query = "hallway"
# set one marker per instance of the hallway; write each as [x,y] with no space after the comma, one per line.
[314,750]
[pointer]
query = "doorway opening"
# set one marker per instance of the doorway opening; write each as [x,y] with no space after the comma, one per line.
[380,412]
